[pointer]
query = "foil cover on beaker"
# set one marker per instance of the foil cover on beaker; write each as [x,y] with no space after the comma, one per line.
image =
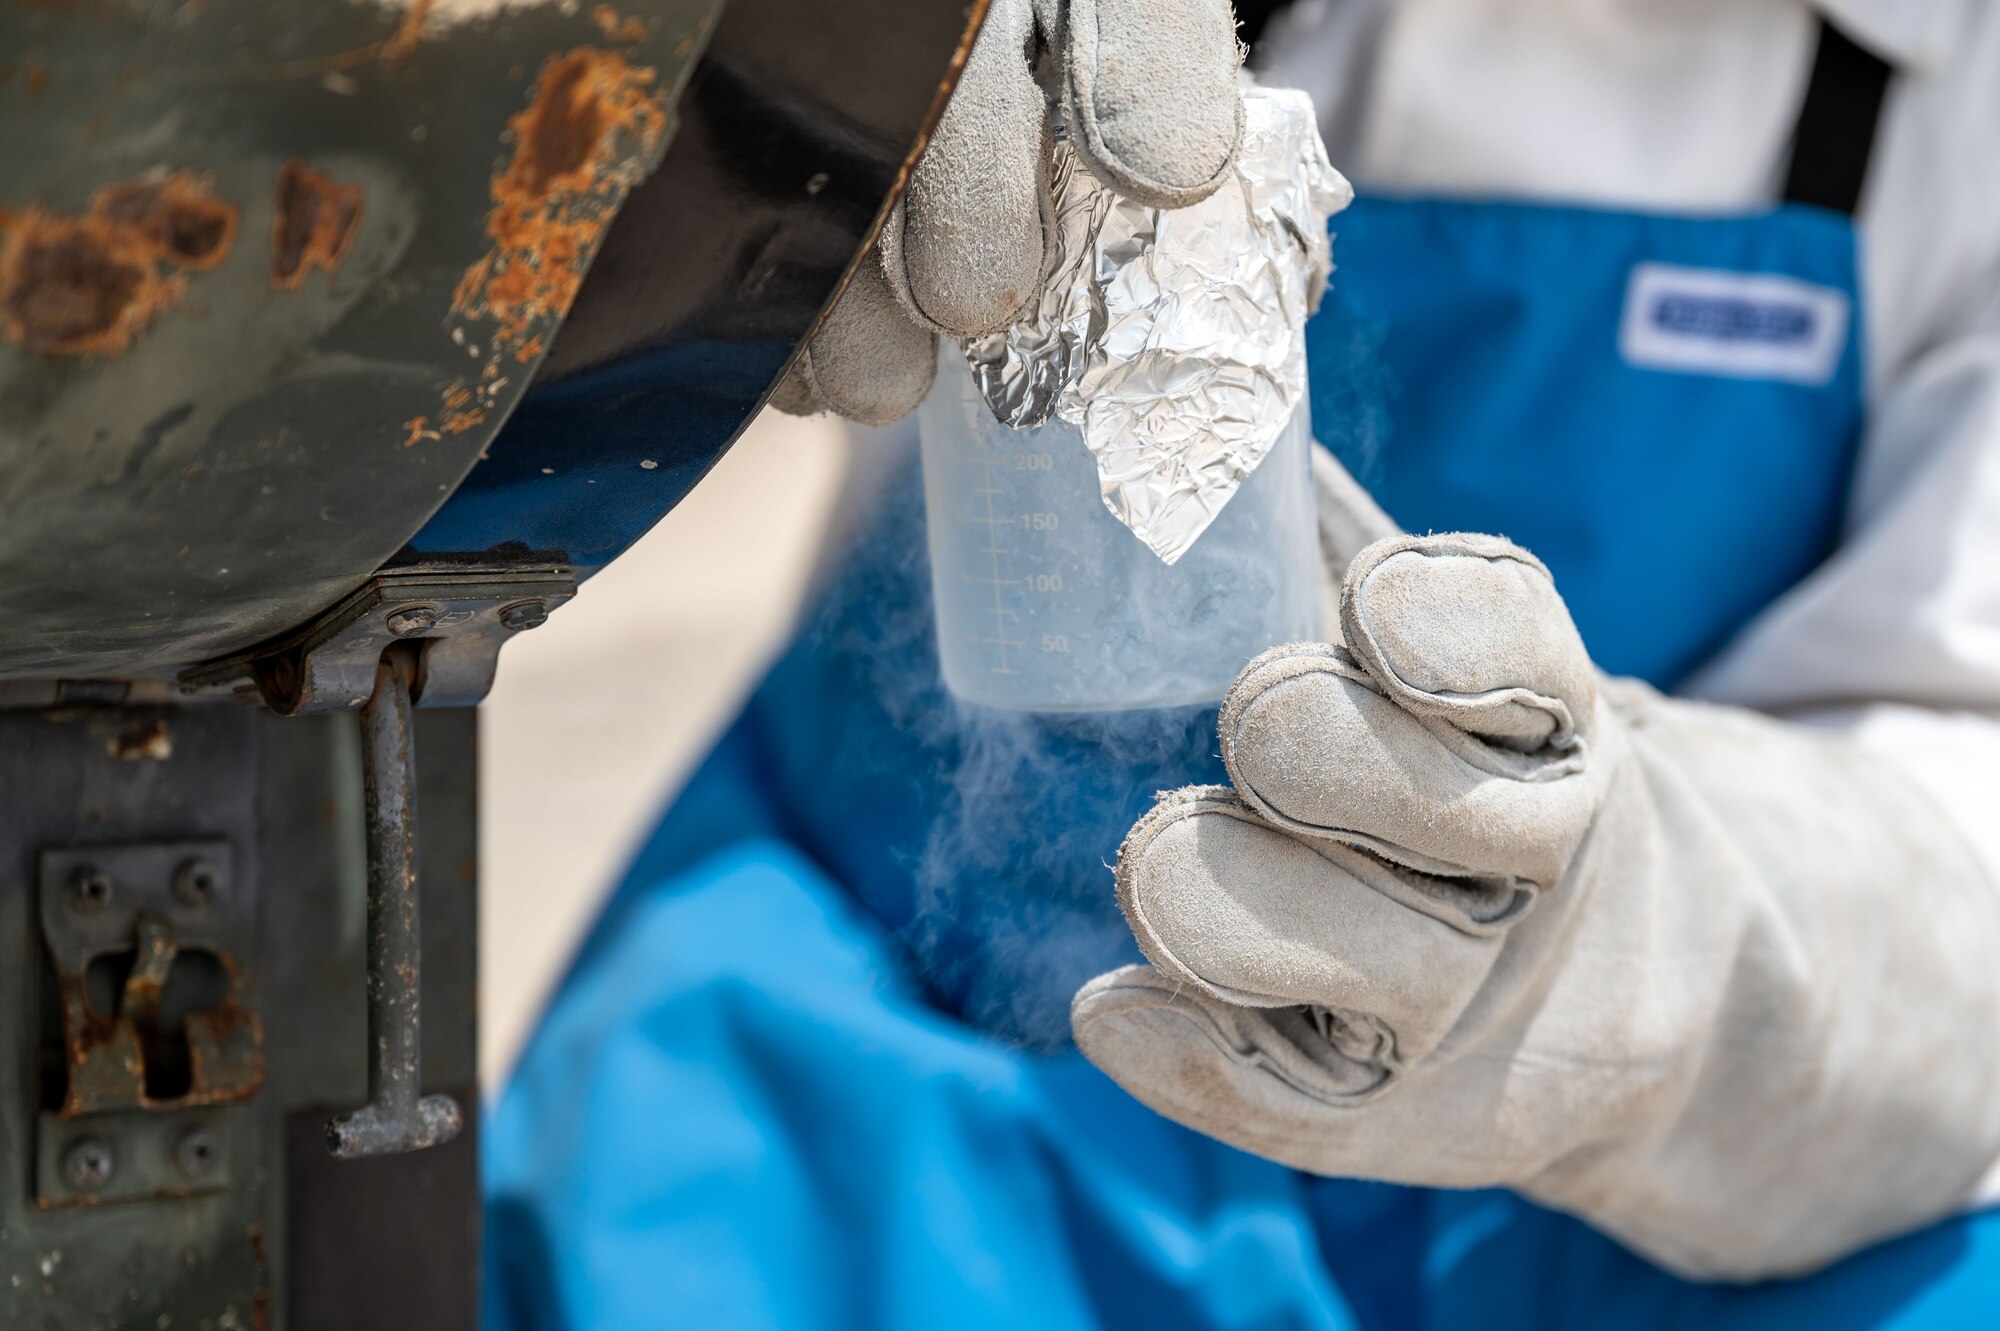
[1175,338]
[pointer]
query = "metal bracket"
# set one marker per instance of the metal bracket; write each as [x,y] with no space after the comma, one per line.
[461,616]
[154,900]
[138,1156]
[430,633]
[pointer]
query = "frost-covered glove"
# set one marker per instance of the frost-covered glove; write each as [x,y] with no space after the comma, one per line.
[1474,914]
[1147,92]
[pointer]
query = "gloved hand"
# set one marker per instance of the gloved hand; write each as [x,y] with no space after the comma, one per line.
[1473,914]
[1147,90]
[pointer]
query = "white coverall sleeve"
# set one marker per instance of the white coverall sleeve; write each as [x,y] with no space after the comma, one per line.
[1896,638]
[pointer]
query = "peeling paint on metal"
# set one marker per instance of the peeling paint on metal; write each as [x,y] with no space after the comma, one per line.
[90,284]
[72,286]
[142,741]
[409,33]
[188,226]
[627,31]
[104,1053]
[315,222]
[577,148]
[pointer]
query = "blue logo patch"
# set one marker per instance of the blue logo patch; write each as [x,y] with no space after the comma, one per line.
[1742,325]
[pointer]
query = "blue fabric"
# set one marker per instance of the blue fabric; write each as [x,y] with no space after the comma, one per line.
[1466,366]
[740,1113]
[590,460]
[793,1079]
[978,837]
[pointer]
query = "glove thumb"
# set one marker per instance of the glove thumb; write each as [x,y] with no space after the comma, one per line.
[867,362]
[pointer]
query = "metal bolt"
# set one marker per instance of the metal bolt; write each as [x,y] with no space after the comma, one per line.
[195,883]
[412,619]
[89,889]
[196,1153]
[87,1165]
[524,615]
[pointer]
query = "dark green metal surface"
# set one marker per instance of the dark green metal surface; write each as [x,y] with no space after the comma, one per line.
[273,273]
[395,1234]
[196,455]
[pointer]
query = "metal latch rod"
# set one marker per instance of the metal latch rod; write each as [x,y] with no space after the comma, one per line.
[397,1117]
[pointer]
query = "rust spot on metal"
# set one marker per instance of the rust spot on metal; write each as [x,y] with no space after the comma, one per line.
[316,221]
[556,137]
[472,285]
[72,286]
[573,159]
[89,285]
[141,741]
[105,1053]
[417,429]
[226,1053]
[227,1021]
[185,223]
[629,30]
[37,77]
[458,422]
[404,41]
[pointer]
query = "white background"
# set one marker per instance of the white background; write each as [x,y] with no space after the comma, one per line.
[598,716]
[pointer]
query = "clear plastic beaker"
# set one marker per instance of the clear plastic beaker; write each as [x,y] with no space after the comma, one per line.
[1047,602]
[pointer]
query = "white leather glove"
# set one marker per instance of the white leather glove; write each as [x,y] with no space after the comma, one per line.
[1474,914]
[1147,91]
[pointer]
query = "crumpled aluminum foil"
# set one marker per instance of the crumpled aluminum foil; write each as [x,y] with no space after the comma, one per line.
[1175,338]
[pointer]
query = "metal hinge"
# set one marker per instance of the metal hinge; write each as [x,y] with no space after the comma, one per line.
[460,616]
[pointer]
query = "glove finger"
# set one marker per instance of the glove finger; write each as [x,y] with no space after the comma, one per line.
[867,361]
[1228,905]
[795,394]
[966,248]
[1149,90]
[1206,1063]
[1471,630]
[1316,745]
[1453,731]
[1291,1085]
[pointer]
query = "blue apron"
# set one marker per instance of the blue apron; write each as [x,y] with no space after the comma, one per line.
[808,1071]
